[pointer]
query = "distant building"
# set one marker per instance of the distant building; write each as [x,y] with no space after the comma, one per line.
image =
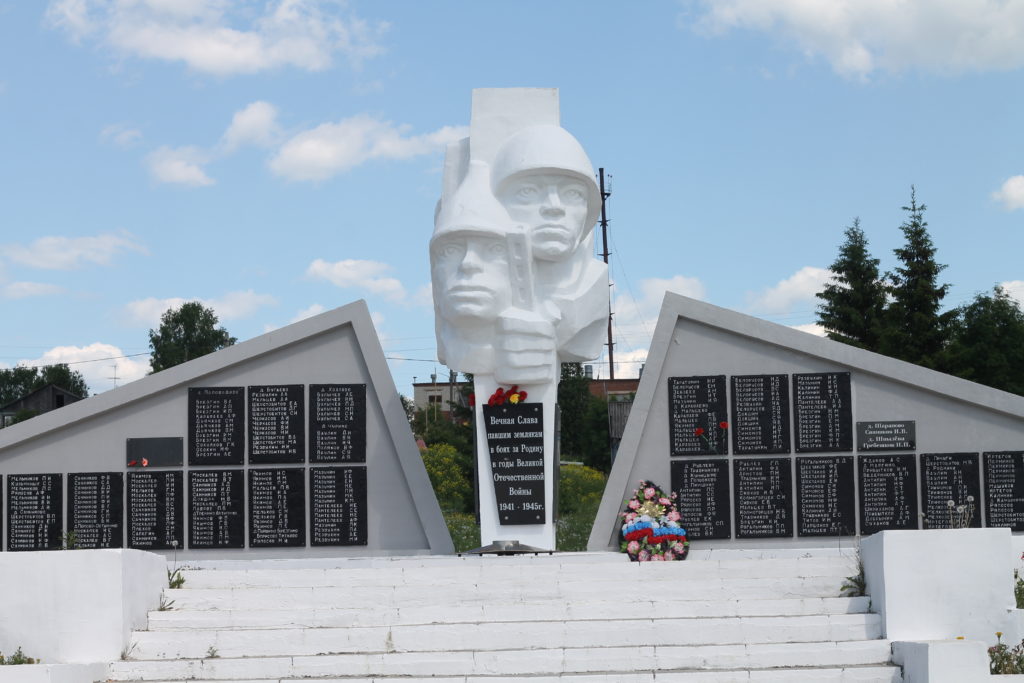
[42,400]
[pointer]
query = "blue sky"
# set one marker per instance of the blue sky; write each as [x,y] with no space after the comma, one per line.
[276,159]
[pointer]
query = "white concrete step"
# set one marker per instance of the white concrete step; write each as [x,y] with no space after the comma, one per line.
[602,607]
[492,637]
[540,662]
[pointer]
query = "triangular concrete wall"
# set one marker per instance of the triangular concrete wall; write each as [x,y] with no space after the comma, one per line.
[693,338]
[337,347]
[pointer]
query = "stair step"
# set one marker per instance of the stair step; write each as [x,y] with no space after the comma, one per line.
[541,610]
[537,662]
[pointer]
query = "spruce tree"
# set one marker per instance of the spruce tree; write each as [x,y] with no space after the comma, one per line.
[987,342]
[853,301]
[914,329]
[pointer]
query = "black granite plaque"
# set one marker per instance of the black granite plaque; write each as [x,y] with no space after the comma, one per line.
[216,504]
[888,493]
[277,424]
[216,420]
[277,507]
[822,412]
[1004,489]
[337,505]
[96,509]
[887,436]
[763,497]
[35,505]
[337,423]
[696,411]
[161,451]
[515,441]
[825,496]
[950,477]
[702,497]
[760,414]
[155,510]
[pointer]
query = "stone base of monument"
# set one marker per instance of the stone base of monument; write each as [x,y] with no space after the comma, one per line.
[729,615]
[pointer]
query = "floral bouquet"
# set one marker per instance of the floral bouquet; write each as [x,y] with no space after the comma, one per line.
[650,529]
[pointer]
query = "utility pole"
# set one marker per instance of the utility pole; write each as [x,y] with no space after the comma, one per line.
[605,194]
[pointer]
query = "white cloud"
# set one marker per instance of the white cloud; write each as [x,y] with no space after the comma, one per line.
[315,309]
[66,253]
[358,273]
[220,37]
[333,148]
[811,328]
[104,361]
[1014,288]
[858,37]
[798,289]
[120,135]
[23,290]
[1011,194]
[230,306]
[254,125]
[424,296]
[179,165]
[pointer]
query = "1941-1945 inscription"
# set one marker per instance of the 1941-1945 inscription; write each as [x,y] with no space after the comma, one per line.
[515,440]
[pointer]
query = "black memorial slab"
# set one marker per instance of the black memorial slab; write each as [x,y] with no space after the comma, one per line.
[216,505]
[763,499]
[216,421]
[888,492]
[760,414]
[277,507]
[155,510]
[1004,489]
[515,441]
[697,403]
[822,412]
[898,435]
[337,505]
[35,504]
[160,451]
[337,423]
[96,509]
[950,477]
[277,424]
[702,497]
[825,496]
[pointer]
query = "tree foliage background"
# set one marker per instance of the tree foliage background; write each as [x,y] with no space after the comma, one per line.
[187,332]
[20,380]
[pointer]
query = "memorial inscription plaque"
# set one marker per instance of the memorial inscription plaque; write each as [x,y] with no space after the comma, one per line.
[277,424]
[337,505]
[160,451]
[763,497]
[888,493]
[216,506]
[702,497]
[760,414]
[277,507]
[950,477]
[515,441]
[887,436]
[155,510]
[825,496]
[696,403]
[337,423]
[96,509]
[35,505]
[1004,489]
[216,420]
[823,412]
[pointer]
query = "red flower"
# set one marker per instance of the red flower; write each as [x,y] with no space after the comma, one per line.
[698,431]
[723,425]
[522,395]
[133,463]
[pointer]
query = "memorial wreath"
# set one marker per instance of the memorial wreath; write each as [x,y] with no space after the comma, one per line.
[650,529]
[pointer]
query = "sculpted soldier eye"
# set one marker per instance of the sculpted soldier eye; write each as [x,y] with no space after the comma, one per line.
[450,250]
[496,249]
[526,193]
[573,194]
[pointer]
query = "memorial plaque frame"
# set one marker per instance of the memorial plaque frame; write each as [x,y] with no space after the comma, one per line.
[158,451]
[1004,500]
[349,527]
[893,482]
[282,522]
[216,434]
[341,439]
[172,484]
[515,442]
[764,429]
[822,412]
[45,532]
[222,496]
[826,499]
[963,480]
[108,534]
[702,497]
[697,402]
[773,494]
[276,422]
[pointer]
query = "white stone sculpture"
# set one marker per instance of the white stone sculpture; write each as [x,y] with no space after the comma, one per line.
[516,287]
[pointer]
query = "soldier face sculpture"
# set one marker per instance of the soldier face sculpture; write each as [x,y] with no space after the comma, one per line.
[471,269]
[552,207]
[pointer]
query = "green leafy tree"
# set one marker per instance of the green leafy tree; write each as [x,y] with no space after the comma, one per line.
[987,342]
[914,329]
[854,300]
[584,420]
[185,333]
[453,489]
[20,381]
